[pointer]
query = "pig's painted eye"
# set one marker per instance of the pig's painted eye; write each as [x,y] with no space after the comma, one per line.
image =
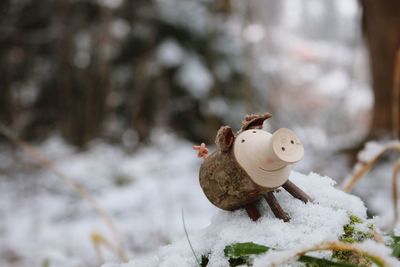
[291,141]
[243,140]
[283,149]
[254,131]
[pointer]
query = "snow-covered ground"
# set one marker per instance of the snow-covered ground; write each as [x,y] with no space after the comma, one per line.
[42,219]
[311,223]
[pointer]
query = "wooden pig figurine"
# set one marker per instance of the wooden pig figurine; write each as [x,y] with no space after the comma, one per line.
[249,166]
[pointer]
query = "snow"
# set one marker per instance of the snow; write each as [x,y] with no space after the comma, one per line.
[45,220]
[347,8]
[170,53]
[195,77]
[42,218]
[379,250]
[253,33]
[311,224]
[120,28]
[277,258]
[111,3]
[191,15]
[218,106]
[371,150]
[83,44]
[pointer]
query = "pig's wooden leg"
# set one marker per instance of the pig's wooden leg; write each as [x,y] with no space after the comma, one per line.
[252,211]
[275,207]
[296,192]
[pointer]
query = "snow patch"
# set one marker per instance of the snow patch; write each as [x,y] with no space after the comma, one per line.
[170,53]
[195,77]
[311,223]
[42,218]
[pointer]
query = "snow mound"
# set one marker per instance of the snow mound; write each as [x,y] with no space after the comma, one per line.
[311,223]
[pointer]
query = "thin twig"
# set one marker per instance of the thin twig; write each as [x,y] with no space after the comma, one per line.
[187,237]
[334,246]
[367,166]
[84,193]
[362,171]
[97,240]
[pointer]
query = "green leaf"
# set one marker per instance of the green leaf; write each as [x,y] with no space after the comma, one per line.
[204,261]
[233,262]
[318,262]
[396,246]
[46,263]
[244,249]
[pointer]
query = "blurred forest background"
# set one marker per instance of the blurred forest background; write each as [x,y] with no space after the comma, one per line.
[113,68]
[127,85]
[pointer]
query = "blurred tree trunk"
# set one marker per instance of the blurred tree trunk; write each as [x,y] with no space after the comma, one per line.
[82,92]
[6,110]
[381,27]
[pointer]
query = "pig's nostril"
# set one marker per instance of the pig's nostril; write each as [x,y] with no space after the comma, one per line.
[291,141]
[283,149]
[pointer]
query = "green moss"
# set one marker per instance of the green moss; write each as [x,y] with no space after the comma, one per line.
[46,263]
[395,245]
[352,234]
[342,255]
[123,180]
[354,219]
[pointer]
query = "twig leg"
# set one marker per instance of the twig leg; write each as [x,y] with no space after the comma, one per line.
[275,207]
[296,191]
[252,211]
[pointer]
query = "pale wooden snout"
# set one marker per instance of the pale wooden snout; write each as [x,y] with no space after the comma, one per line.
[267,157]
[284,148]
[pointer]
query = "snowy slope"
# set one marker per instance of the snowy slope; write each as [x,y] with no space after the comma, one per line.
[311,223]
[42,219]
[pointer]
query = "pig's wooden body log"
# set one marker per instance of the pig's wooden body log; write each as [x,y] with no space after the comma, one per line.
[249,166]
[226,184]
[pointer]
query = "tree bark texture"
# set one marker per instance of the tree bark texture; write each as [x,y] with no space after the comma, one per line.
[381,27]
[296,191]
[6,107]
[226,184]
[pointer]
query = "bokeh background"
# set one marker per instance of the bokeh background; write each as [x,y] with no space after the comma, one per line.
[114,93]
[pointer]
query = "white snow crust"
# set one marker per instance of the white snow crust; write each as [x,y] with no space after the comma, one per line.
[311,223]
[44,219]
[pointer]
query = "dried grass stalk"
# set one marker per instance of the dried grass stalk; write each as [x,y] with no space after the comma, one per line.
[335,246]
[367,166]
[98,240]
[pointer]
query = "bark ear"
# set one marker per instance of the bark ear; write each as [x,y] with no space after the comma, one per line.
[254,121]
[224,138]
